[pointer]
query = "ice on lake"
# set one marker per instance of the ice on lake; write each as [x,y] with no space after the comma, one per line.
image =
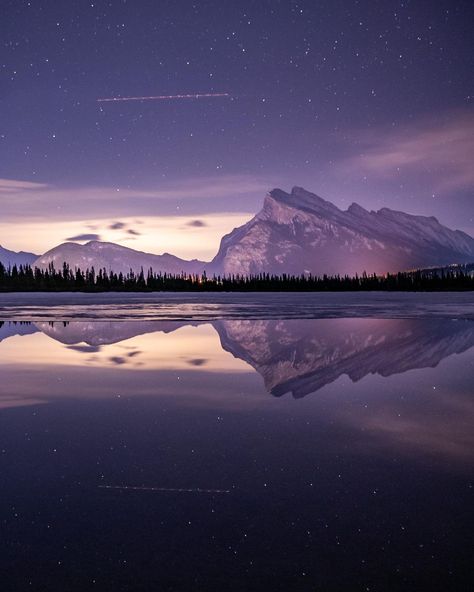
[209,306]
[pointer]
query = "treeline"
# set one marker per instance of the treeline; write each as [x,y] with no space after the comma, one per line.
[27,279]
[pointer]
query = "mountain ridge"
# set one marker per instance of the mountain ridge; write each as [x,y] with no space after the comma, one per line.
[295,233]
[300,232]
[9,258]
[114,257]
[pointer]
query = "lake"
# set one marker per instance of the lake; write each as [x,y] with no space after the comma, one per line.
[236,442]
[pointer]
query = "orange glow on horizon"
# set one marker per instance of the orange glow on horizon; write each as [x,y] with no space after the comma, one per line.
[184,236]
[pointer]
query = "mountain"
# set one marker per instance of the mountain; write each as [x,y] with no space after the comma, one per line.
[296,233]
[10,258]
[299,232]
[115,257]
[455,269]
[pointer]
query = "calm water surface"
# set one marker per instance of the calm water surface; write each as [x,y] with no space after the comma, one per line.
[236,454]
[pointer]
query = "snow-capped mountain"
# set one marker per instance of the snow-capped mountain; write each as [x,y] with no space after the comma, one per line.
[294,233]
[114,257]
[299,232]
[10,258]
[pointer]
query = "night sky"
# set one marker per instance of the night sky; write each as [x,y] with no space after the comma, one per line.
[367,101]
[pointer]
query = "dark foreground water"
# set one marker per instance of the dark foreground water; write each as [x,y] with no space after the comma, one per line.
[237,454]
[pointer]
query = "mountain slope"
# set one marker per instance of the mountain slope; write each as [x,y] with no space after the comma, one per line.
[10,258]
[299,232]
[114,257]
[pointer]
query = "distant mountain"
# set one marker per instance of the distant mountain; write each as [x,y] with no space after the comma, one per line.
[10,258]
[115,257]
[299,232]
[454,269]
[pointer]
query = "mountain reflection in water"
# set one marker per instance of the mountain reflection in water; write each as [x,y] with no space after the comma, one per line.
[303,356]
[222,364]
[344,448]
[292,356]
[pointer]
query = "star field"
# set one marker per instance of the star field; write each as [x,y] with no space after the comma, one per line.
[314,87]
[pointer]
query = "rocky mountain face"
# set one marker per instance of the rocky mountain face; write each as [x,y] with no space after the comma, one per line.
[294,233]
[10,258]
[299,232]
[114,257]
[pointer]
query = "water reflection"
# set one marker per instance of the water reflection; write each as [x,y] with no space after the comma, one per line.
[301,356]
[292,356]
[361,458]
[146,345]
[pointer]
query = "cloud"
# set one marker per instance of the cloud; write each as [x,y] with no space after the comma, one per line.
[12,186]
[445,434]
[23,200]
[157,233]
[123,226]
[197,361]
[118,360]
[86,349]
[441,150]
[196,223]
[84,237]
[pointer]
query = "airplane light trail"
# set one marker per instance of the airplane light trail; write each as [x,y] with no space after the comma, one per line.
[161,489]
[163,97]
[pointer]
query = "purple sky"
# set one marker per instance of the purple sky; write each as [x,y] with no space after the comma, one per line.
[355,101]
